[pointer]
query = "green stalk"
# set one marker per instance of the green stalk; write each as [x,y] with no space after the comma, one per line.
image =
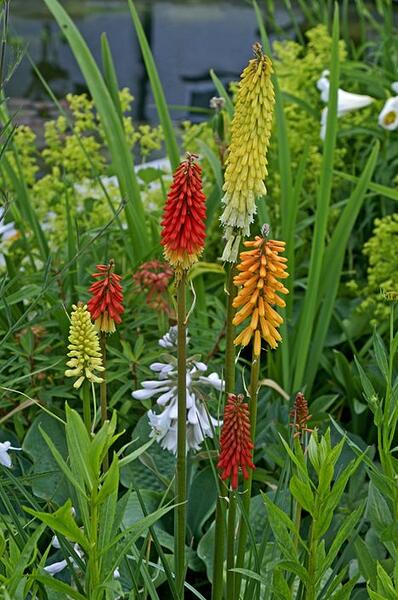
[181,473]
[87,405]
[247,488]
[312,563]
[231,544]
[220,526]
[103,393]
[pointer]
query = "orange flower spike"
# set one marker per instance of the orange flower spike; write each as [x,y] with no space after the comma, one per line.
[258,279]
[183,224]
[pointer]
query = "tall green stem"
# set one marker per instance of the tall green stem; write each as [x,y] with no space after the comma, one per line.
[103,393]
[87,405]
[220,527]
[181,474]
[247,488]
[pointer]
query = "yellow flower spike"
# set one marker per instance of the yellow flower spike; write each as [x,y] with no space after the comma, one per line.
[258,293]
[85,353]
[246,165]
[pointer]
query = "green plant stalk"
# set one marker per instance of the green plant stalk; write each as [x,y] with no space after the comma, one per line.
[103,393]
[220,526]
[247,488]
[312,563]
[93,579]
[86,392]
[181,473]
[231,544]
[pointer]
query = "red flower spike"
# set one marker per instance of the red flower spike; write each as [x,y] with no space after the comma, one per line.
[183,224]
[236,447]
[153,277]
[105,305]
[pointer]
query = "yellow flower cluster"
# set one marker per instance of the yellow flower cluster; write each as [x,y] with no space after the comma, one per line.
[260,269]
[84,348]
[247,161]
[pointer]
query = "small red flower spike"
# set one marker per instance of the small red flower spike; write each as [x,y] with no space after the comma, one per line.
[105,305]
[153,277]
[183,224]
[236,446]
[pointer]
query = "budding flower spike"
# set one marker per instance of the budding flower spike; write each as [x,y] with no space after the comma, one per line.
[105,305]
[247,158]
[260,269]
[300,416]
[183,224]
[236,447]
[84,348]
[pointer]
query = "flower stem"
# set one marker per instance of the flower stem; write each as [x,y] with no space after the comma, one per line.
[247,488]
[103,393]
[87,405]
[231,544]
[220,526]
[181,474]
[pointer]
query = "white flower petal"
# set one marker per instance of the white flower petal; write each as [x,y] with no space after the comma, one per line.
[388,117]
[143,394]
[394,86]
[56,567]
[164,398]
[201,366]
[214,380]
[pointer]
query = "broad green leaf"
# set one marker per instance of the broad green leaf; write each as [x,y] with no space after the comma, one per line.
[302,493]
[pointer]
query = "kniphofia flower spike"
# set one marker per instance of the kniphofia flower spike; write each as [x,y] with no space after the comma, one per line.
[183,224]
[247,154]
[236,446]
[105,305]
[85,354]
[260,268]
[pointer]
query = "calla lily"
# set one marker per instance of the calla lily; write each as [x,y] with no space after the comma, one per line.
[388,118]
[346,101]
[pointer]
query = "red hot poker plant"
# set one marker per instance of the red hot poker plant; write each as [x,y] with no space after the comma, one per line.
[236,446]
[105,305]
[183,224]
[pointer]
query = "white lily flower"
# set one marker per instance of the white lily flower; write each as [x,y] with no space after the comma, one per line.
[56,567]
[346,101]
[198,422]
[388,118]
[5,459]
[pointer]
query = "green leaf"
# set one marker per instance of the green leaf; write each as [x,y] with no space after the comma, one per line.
[302,493]
[48,481]
[157,90]
[343,533]
[62,521]
[381,355]
[117,143]
[223,93]
[366,562]
[59,586]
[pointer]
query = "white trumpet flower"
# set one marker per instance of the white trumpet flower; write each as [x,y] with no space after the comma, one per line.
[346,101]
[5,459]
[199,422]
[388,117]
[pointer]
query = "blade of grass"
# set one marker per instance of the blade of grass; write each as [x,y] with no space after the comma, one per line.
[223,93]
[333,264]
[383,190]
[157,90]
[308,311]
[110,76]
[117,143]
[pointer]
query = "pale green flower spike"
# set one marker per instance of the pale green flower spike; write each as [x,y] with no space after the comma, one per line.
[246,166]
[84,348]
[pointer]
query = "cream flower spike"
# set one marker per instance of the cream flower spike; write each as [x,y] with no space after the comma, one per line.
[246,166]
[346,101]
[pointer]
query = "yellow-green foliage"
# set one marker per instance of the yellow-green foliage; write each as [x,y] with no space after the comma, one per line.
[381,250]
[298,69]
[73,157]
